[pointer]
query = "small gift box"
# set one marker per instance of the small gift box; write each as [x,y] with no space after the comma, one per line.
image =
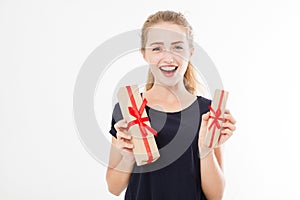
[133,110]
[216,119]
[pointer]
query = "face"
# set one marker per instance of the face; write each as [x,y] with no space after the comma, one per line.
[167,51]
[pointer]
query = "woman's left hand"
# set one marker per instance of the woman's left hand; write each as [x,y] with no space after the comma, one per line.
[228,127]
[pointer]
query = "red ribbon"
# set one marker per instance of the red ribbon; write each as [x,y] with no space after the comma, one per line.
[137,113]
[215,123]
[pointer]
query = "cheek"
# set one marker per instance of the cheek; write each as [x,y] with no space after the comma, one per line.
[184,61]
[183,69]
[183,56]
[153,59]
[154,70]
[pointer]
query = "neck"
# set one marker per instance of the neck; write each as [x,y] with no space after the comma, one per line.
[170,91]
[170,99]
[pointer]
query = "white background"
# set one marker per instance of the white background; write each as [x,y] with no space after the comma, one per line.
[254,44]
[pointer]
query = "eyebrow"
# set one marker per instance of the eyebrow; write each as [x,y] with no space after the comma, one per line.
[161,43]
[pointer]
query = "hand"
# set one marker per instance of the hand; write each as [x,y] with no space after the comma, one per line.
[228,127]
[124,143]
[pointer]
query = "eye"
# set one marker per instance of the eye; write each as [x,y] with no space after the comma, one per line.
[156,49]
[178,47]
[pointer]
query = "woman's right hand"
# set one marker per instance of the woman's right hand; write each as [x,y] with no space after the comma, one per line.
[124,143]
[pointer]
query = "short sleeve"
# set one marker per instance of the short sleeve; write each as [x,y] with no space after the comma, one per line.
[204,104]
[116,116]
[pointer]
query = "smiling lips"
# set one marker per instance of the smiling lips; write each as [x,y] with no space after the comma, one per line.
[168,70]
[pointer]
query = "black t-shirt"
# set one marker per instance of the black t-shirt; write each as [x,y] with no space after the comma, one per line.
[176,174]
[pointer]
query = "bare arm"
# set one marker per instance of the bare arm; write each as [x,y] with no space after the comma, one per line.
[211,170]
[121,161]
[213,181]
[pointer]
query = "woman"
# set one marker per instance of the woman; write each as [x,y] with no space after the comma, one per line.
[167,45]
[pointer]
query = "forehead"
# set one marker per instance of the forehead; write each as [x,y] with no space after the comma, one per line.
[166,32]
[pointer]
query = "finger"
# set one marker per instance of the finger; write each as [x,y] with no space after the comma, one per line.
[120,125]
[229,125]
[123,134]
[121,144]
[227,132]
[124,144]
[127,150]
[227,111]
[222,139]
[205,116]
[228,116]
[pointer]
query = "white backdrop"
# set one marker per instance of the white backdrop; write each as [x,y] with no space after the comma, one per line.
[254,44]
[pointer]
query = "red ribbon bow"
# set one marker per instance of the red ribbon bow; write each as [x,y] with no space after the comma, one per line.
[215,123]
[137,113]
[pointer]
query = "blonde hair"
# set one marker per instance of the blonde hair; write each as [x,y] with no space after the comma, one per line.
[190,79]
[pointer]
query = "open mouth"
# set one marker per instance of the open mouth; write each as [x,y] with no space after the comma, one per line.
[168,69]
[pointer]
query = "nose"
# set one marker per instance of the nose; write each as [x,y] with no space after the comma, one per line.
[169,57]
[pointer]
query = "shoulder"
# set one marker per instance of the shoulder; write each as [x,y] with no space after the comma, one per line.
[204,103]
[203,100]
[117,114]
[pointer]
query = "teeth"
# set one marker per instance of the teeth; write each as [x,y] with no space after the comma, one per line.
[167,68]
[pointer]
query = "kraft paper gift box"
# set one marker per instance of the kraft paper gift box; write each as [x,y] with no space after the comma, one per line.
[215,120]
[133,110]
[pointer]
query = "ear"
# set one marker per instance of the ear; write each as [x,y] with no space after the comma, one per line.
[192,51]
[144,54]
